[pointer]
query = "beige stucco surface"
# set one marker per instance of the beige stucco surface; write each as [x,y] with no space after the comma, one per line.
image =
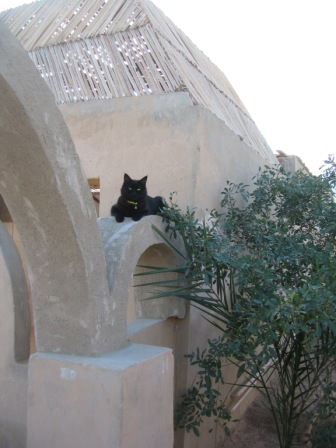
[45,189]
[81,274]
[181,147]
[124,245]
[123,400]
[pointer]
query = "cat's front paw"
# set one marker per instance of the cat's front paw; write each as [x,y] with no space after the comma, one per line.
[136,218]
[119,218]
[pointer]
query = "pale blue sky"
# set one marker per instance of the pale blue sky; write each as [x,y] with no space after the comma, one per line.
[280,58]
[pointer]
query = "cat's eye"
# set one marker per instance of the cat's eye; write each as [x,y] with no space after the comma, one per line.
[138,189]
[130,188]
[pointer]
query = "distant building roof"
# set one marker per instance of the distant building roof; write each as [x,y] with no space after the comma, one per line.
[87,50]
[291,163]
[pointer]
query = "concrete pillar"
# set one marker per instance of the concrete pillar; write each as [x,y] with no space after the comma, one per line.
[123,400]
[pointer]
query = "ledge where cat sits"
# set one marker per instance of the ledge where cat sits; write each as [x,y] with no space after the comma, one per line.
[128,245]
[111,230]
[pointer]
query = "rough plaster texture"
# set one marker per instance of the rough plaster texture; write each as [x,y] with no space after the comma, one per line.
[156,135]
[14,337]
[123,400]
[46,192]
[73,400]
[182,148]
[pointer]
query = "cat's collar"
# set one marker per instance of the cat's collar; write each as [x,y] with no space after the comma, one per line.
[133,203]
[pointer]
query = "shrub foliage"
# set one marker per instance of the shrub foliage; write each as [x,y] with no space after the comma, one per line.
[265,275]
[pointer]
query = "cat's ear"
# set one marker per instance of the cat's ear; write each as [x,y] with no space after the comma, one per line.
[143,180]
[126,178]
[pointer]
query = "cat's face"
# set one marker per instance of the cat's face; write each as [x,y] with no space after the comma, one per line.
[134,189]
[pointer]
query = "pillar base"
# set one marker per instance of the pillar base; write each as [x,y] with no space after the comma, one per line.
[122,400]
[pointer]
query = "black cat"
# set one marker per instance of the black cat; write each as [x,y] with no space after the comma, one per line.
[134,202]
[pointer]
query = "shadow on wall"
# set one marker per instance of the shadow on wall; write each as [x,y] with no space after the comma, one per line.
[75,317]
[8,223]
[139,307]
[14,337]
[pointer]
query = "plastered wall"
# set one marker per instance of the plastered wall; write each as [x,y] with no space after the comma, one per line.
[77,327]
[182,148]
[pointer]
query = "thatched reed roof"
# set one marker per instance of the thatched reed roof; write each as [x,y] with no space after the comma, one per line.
[99,49]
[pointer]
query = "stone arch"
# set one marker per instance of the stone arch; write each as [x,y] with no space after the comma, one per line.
[46,192]
[126,245]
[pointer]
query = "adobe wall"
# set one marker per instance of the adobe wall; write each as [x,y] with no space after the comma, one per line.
[45,190]
[149,135]
[82,346]
[182,148]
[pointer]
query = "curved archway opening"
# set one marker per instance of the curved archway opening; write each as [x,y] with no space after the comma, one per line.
[46,191]
[139,306]
[153,321]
